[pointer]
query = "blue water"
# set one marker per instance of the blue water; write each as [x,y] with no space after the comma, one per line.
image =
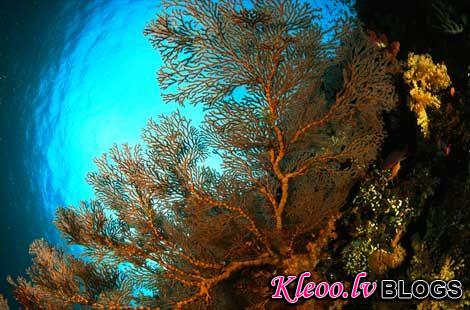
[75,77]
[101,90]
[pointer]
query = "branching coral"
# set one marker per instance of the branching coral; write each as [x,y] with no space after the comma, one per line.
[447,19]
[3,303]
[426,80]
[290,155]
[61,281]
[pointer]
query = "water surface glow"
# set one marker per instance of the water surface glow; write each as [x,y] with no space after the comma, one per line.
[101,90]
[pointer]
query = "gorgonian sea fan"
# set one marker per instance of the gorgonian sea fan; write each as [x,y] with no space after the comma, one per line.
[307,126]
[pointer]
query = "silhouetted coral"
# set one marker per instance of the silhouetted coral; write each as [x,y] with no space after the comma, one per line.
[191,235]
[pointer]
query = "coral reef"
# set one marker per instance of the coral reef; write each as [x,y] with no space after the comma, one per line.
[377,219]
[437,167]
[348,151]
[291,147]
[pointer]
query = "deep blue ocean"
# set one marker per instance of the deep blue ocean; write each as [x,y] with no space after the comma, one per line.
[76,77]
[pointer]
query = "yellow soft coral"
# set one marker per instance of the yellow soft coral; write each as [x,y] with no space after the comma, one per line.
[426,79]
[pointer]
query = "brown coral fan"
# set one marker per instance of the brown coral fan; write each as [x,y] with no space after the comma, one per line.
[291,149]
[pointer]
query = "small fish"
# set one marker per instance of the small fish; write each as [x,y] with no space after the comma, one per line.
[446,148]
[393,162]
[395,170]
[393,158]
[452,91]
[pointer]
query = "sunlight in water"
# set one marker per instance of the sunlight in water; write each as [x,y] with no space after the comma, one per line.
[101,91]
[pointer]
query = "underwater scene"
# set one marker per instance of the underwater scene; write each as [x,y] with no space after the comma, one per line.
[234,154]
